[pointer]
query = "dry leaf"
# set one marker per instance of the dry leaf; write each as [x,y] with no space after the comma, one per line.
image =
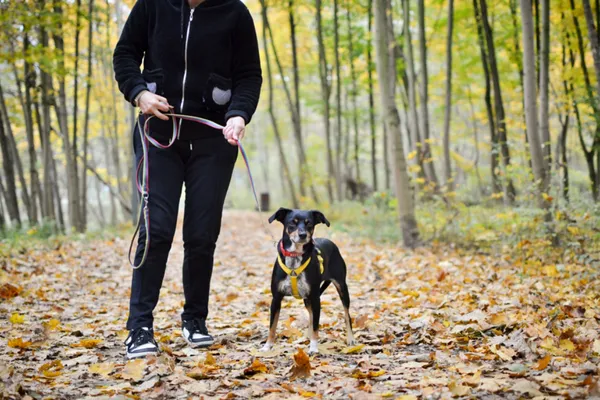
[209,360]
[301,367]
[353,349]
[88,343]
[19,343]
[543,363]
[51,369]
[8,291]
[52,324]
[103,369]
[256,367]
[458,389]
[16,318]
[134,370]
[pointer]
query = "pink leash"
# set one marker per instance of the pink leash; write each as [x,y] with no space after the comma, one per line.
[143,181]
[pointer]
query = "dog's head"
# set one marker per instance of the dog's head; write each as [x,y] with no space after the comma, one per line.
[299,225]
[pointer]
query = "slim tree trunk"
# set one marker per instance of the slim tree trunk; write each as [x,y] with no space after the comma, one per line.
[535,146]
[448,111]
[9,173]
[338,100]
[476,140]
[87,115]
[494,161]
[406,212]
[386,155]
[371,96]
[428,157]
[500,123]
[324,77]
[286,169]
[593,38]
[353,78]
[544,62]
[76,88]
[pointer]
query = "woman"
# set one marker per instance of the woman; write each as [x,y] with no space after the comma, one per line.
[200,58]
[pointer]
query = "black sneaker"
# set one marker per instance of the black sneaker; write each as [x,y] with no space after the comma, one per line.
[195,333]
[141,343]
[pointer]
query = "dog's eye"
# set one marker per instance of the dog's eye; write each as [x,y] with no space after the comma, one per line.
[307,222]
[295,221]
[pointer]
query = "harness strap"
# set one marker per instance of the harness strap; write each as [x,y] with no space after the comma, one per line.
[293,274]
[143,175]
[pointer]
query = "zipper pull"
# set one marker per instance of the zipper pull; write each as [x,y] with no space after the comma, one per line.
[192,14]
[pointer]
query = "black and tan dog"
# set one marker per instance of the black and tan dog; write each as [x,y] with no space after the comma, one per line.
[304,268]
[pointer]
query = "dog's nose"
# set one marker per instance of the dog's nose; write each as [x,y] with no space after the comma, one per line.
[302,236]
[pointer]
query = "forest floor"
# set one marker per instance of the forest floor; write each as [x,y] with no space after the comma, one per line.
[432,323]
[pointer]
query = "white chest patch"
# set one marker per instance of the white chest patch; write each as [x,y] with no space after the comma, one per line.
[285,286]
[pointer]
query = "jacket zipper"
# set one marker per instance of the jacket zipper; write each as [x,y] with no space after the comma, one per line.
[187,38]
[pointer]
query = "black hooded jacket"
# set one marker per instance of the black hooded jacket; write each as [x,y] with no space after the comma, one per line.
[205,60]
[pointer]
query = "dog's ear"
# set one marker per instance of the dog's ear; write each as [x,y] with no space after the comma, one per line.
[280,215]
[320,218]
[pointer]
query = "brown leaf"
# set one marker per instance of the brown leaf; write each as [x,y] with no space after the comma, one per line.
[87,343]
[543,363]
[134,370]
[8,291]
[51,369]
[256,367]
[360,321]
[301,367]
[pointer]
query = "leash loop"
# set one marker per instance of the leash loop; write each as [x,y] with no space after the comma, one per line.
[143,174]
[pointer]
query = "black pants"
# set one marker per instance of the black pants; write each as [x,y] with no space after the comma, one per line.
[205,166]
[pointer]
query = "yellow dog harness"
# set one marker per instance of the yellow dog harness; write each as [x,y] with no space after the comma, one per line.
[295,273]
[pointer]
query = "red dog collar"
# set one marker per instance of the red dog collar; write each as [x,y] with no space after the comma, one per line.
[288,253]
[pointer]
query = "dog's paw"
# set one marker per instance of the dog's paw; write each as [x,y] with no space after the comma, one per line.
[313,348]
[266,347]
[350,341]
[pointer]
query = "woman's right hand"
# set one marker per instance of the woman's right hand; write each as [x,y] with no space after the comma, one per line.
[153,104]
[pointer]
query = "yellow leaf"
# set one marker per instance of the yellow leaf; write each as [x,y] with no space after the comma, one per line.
[301,367]
[52,369]
[543,363]
[566,344]
[411,155]
[134,370]
[87,343]
[209,360]
[353,349]
[52,324]
[308,394]
[256,367]
[457,389]
[19,343]
[596,346]
[405,397]
[16,318]
[551,270]
[547,197]
[573,230]
[103,369]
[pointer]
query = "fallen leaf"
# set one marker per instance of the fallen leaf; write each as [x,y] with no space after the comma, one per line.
[209,360]
[543,363]
[19,343]
[567,344]
[87,343]
[301,367]
[353,349]
[526,387]
[134,370]
[458,389]
[52,324]
[103,369]
[8,291]
[16,318]
[52,369]
[256,367]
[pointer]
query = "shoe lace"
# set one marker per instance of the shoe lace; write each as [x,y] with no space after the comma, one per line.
[199,325]
[141,335]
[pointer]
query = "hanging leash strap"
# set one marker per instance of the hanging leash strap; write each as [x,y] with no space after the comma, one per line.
[143,174]
[295,273]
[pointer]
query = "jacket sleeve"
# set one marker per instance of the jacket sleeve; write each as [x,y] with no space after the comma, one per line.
[130,50]
[247,74]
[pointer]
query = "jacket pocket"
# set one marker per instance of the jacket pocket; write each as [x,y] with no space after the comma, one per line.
[154,80]
[217,93]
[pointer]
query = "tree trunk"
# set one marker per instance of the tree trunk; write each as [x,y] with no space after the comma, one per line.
[494,161]
[406,212]
[76,92]
[593,38]
[386,155]
[87,115]
[476,140]
[15,157]
[448,111]
[544,62]
[371,96]
[428,157]
[338,101]
[353,78]
[500,123]
[535,147]
[61,111]
[324,77]
[286,169]
[8,163]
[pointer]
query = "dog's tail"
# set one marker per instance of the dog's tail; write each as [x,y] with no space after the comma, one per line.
[325,285]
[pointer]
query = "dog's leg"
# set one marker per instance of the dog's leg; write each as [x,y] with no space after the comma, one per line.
[342,290]
[315,305]
[274,319]
[310,318]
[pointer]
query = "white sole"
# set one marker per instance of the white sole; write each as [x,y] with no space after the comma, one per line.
[198,345]
[131,356]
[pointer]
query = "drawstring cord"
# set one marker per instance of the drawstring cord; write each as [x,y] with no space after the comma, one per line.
[143,175]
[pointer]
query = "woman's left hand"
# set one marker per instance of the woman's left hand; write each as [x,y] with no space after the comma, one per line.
[234,130]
